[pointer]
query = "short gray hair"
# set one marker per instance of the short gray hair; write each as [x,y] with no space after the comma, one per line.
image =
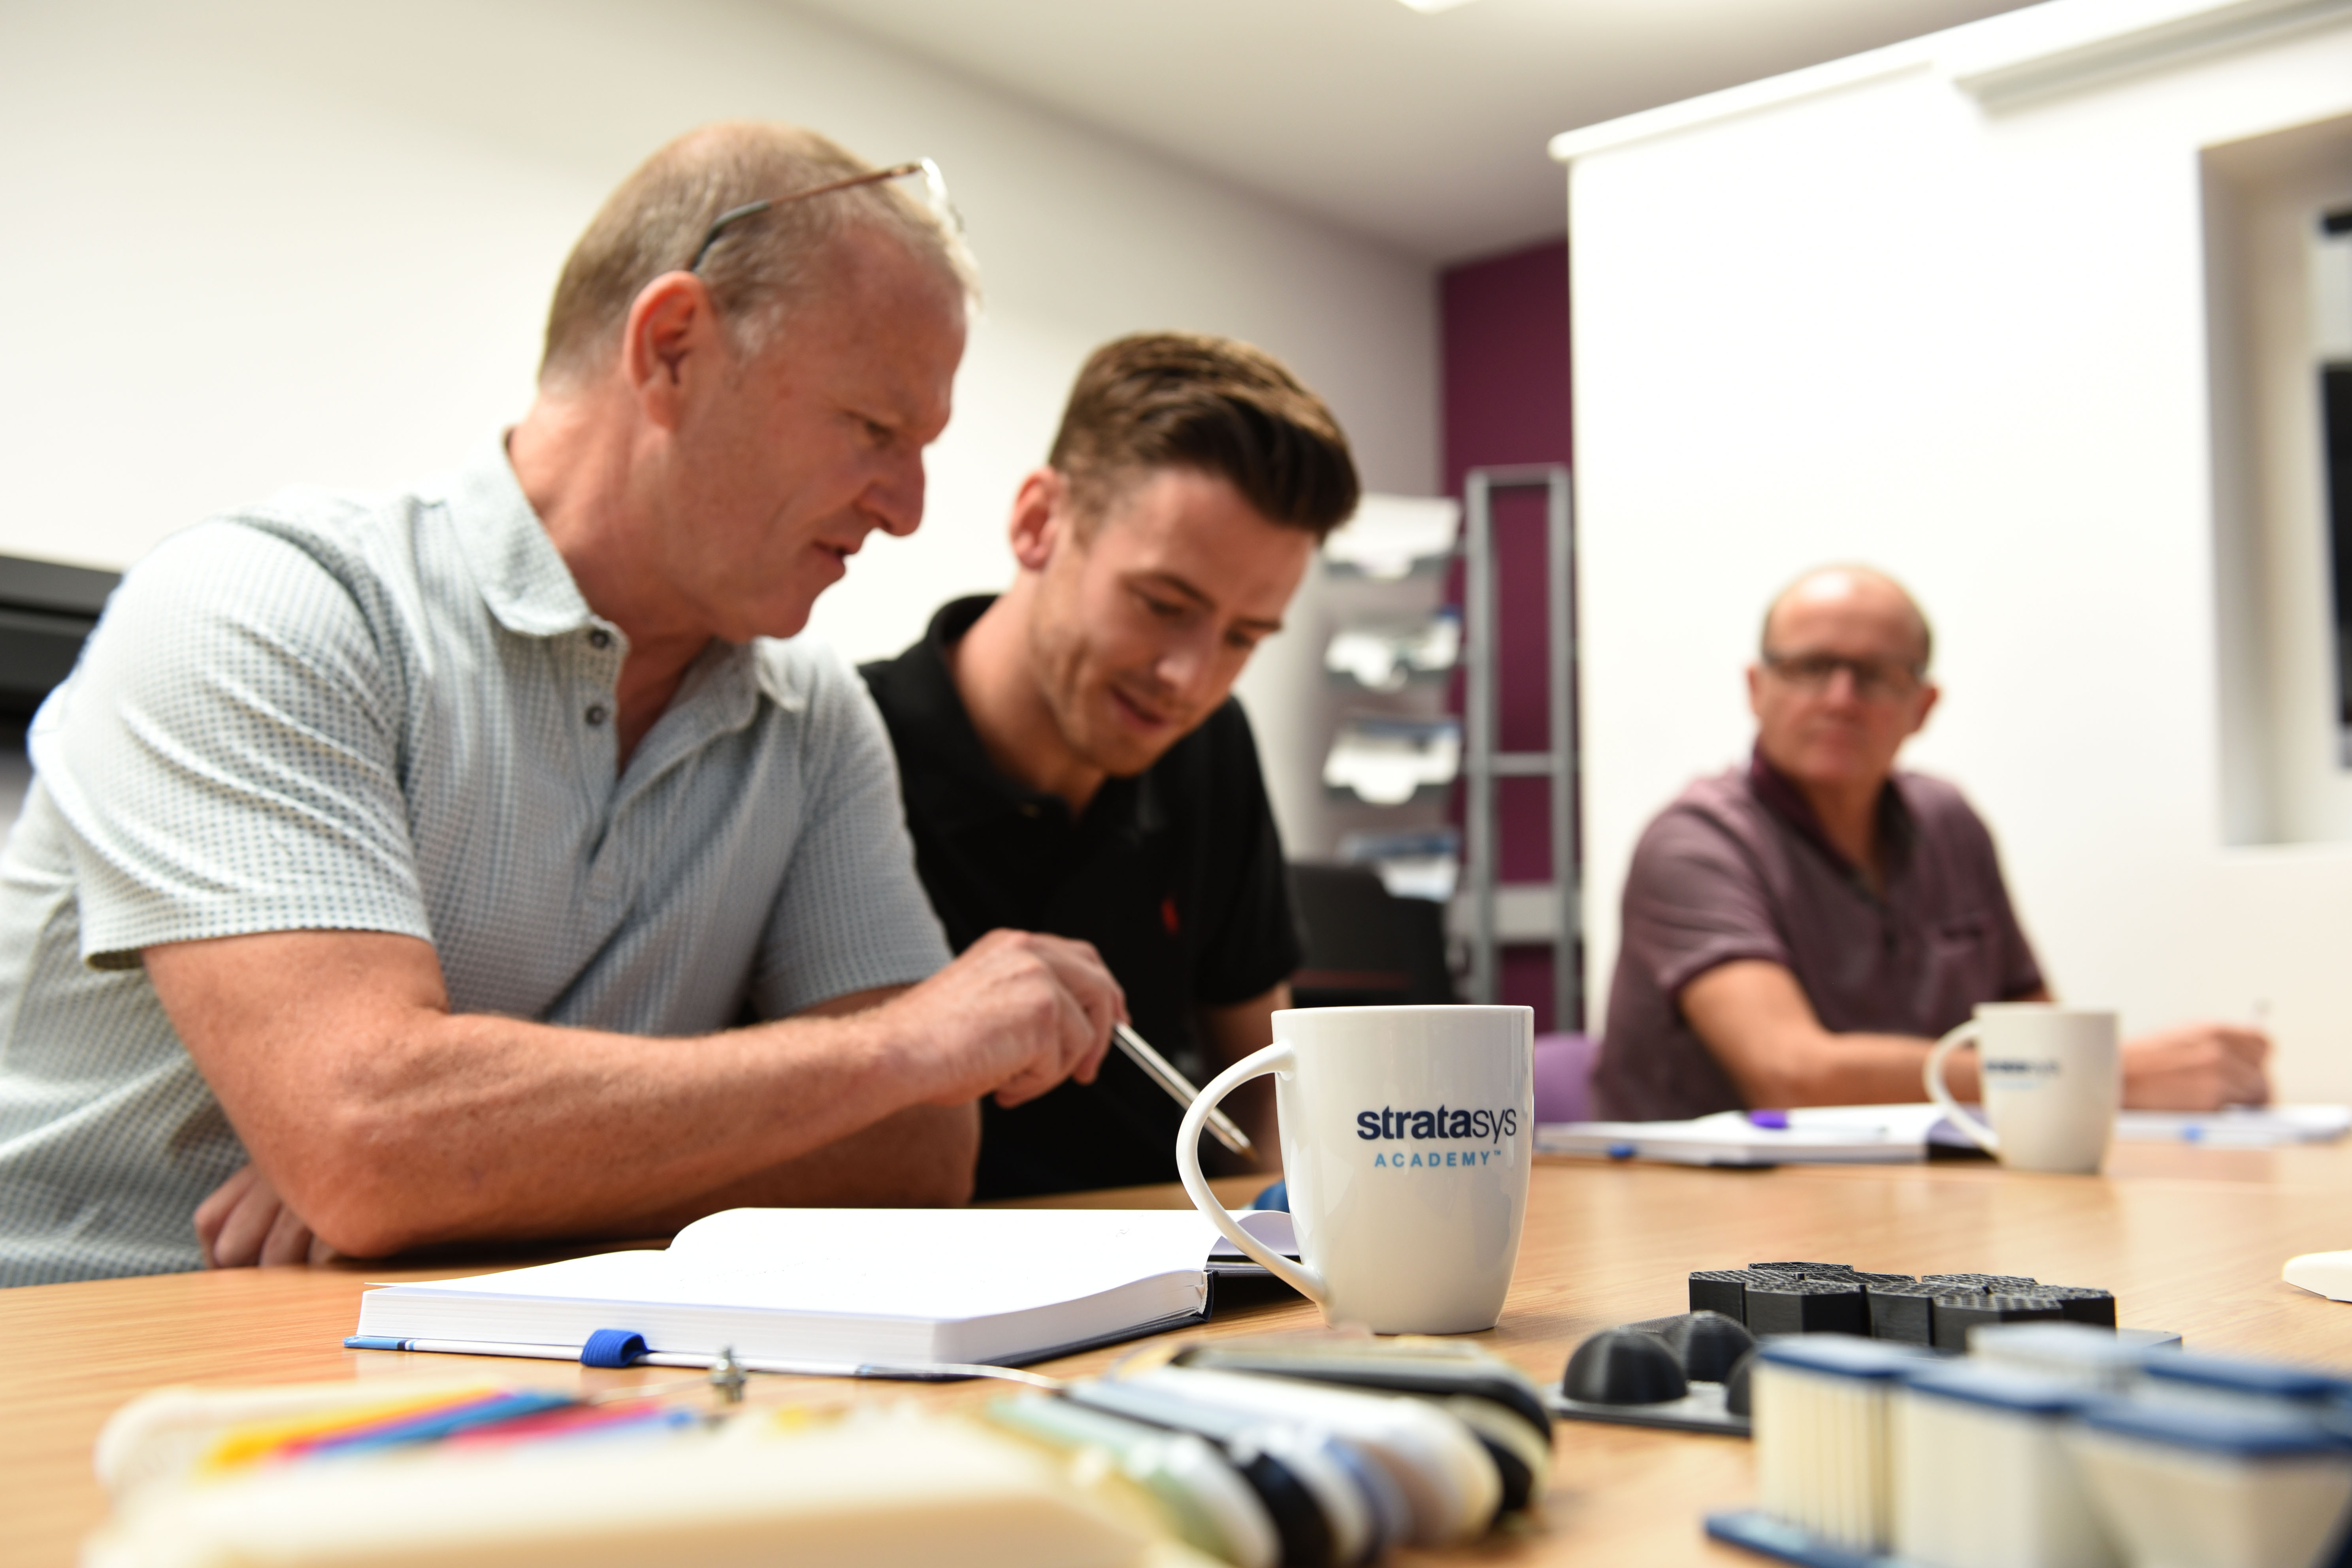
[762,266]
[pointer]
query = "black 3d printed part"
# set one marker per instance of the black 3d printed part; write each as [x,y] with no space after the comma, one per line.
[1610,1380]
[2082,1304]
[1708,1344]
[1814,1268]
[1624,1366]
[1723,1291]
[1738,1397]
[1796,1306]
[1954,1315]
[1903,1313]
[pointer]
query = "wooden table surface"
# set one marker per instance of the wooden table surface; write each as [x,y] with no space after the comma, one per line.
[2189,1238]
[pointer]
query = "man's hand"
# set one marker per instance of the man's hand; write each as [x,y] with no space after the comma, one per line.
[2197,1067]
[1013,1015]
[245,1223]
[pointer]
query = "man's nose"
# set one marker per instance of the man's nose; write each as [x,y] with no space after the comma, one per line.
[894,501]
[1183,663]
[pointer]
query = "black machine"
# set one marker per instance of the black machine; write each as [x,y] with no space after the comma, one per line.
[46,611]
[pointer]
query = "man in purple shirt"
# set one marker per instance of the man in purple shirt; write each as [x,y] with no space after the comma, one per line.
[1798,931]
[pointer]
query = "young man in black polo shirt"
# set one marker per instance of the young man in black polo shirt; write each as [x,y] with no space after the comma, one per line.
[1072,760]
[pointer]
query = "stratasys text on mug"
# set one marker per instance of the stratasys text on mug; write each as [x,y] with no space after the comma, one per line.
[1405,1148]
[1497,1124]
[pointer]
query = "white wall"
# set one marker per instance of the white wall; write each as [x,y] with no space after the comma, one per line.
[259,241]
[1883,313]
[2284,779]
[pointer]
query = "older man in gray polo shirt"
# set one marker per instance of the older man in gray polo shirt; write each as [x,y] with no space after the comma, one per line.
[1798,931]
[395,866]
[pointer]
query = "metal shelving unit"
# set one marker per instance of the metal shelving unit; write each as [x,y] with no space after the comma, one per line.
[1484,764]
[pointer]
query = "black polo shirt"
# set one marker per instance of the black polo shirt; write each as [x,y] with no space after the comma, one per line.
[1176,875]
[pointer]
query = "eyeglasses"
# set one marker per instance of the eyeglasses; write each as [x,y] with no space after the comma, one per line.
[935,197]
[1875,679]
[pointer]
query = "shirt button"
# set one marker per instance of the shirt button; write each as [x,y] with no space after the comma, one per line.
[600,638]
[595,714]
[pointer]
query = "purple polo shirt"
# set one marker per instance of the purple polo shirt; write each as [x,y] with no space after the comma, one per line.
[1739,867]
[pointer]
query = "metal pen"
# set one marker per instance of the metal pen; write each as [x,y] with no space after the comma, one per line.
[1160,1071]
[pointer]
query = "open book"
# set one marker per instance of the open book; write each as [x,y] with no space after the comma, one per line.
[842,1287]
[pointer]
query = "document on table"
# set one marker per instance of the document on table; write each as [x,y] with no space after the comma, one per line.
[2237,1126]
[1897,1134]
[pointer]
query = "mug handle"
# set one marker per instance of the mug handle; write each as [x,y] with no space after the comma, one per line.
[1276,1057]
[1986,1138]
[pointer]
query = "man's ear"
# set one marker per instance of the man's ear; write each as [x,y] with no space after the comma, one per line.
[1040,518]
[1755,692]
[671,335]
[1930,694]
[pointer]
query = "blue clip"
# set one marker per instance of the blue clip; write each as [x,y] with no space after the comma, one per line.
[612,1348]
[1623,1151]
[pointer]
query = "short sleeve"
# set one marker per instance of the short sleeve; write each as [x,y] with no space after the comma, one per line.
[1252,943]
[225,754]
[2020,969]
[1695,900]
[851,915]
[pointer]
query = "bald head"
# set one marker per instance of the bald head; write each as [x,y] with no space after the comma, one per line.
[1851,590]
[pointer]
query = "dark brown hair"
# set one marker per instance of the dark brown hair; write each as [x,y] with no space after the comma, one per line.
[1185,400]
[760,267]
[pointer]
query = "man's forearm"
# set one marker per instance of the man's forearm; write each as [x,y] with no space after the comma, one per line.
[1861,1070]
[1755,1019]
[922,1157]
[405,1124]
[486,1128]
[387,1121]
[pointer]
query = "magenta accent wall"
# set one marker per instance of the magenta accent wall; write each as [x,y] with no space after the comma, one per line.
[1504,324]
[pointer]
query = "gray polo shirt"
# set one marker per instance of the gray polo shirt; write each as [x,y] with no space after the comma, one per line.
[395,714]
[1739,867]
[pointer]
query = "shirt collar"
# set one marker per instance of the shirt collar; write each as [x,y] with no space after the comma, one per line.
[1780,796]
[943,761]
[516,566]
[528,589]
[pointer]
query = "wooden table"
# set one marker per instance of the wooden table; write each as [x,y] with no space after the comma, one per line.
[2190,1239]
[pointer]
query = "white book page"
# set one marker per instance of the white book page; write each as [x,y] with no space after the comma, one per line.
[937,1265]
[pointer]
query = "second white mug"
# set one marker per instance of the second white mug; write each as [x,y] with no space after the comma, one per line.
[2053,1081]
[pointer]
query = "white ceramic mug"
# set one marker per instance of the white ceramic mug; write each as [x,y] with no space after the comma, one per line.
[2053,1080]
[1406,1133]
